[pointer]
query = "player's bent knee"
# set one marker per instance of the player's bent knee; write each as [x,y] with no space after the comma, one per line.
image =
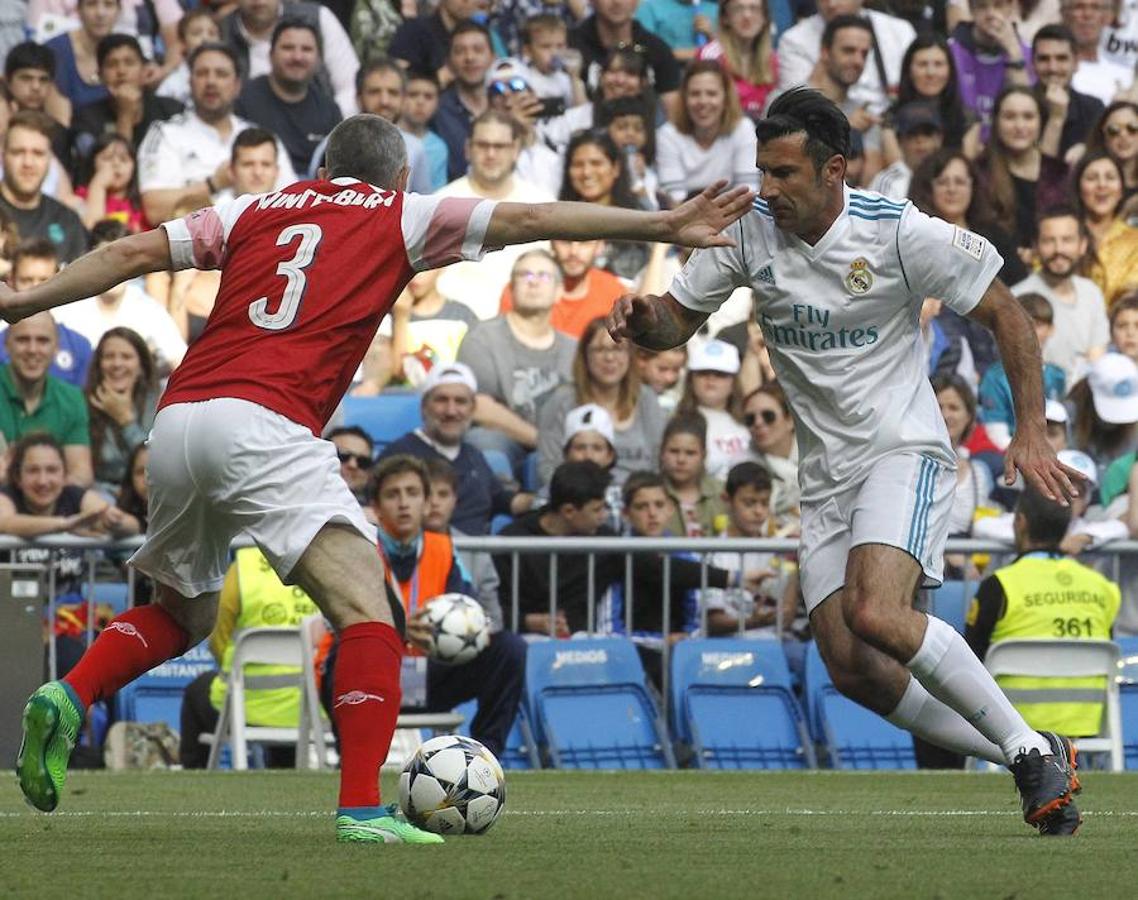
[195,615]
[867,619]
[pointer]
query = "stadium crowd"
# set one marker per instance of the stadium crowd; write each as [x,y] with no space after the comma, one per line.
[1016,120]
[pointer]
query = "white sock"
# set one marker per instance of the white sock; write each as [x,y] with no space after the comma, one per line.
[950,671]
[926,717]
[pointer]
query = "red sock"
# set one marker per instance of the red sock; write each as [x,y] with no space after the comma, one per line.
[131,645]
[365,704]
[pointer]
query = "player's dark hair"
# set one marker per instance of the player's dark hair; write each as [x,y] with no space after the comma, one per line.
[29,55]
[1046,520]
[368,148]
[950,381]
[113,42]
[1038,307]
[34,248]
[747,474]
[380,64]
[216,47]
[577,483]
[837,23]
[253,137]
[107,230]
[354,431]
[290,22]
[639,481]
[469,27]
[19,451]
[805,110]
[1055,32]
[439,469]
[399,464]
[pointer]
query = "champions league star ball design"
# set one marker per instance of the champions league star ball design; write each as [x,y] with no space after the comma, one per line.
[452,785]
[459,630]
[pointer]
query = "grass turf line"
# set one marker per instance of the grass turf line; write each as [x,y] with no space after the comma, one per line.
[590,835]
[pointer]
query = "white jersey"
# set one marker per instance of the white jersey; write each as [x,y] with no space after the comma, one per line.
[840,319]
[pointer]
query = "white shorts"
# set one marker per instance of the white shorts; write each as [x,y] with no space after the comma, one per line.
[904,502]
[223,466]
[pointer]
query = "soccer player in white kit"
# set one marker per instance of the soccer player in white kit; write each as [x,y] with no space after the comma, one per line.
[839,276]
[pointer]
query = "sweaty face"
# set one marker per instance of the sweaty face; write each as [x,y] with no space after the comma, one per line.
[791,186]
[382,95]
[255,169]
[648,511]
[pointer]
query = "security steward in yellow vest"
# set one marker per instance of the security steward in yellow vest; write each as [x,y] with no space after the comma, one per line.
[1044,594]
[251,597]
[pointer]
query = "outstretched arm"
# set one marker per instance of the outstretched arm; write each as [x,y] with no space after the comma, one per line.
[1028,451]
[91,274]
[696,223]
[654,323]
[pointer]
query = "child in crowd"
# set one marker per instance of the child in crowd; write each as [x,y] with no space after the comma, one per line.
[111,191]
[589,436]
[554,71]
[1124,326]
[630,122]
[697,496]
[418,110]
[712,389]
[661,371]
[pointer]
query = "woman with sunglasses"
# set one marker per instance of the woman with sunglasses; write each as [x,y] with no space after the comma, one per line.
[743,46]
[767,416]
[1111,260]
[1116,134]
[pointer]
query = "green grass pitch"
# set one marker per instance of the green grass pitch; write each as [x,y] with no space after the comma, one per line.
[589,835]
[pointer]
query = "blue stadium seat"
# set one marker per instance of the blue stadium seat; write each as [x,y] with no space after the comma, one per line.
[499,463]
[590,706]
[499,522]
[950,602]
[732,701]
[157,695]
[816,678]
[530,479]
[113,593]
[1129,699]
[520,751]
[388,416]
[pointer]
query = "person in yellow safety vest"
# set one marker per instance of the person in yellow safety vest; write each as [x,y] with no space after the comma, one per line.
[1044,594]
[251,597]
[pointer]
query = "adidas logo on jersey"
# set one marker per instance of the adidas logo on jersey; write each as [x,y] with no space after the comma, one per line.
[766,275]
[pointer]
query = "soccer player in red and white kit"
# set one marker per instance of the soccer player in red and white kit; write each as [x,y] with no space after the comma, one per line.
[307,274]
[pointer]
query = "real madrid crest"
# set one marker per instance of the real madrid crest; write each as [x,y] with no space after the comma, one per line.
[860,279]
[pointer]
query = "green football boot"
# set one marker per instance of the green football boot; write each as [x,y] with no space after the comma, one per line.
[387,826]
[52,719]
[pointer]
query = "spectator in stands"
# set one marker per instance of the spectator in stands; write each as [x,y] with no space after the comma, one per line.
[126,305]
[33,262]
[697,497]
[947,185]
[997,411]
[185,161]
[576,508]
[1020,168]
[356,452]
[425,565]
[111,191]
[288,101]
[920,133]
[846,45]
[129,107]
[768,583]
[974,481]
[464,100]
[661,370]
[711,389]
[122,395]
[1053,58]
[421,43]
[1081,328]
[133,494]
[27,159]
[743,46]
[1082,604]
[195,28]
[589,435]
[594,173]
[35,401]
[448,412]
[29,80]
[928,75]
[612,26]
[1106,409]
[511,93]
[989,57]
[585,291]
[252,596]
[799,49]
[249,30]
[518,360]
[1095,75]
[553,71]
[1116,134]
[494,145]
[767,415]
[1111,257]
[76,66]
[603,374]
[708,138]
[631,123]
[419,109]
[684,27]
[512,16]
[1124,326]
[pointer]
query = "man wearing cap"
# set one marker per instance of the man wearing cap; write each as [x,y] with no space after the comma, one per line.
[716,363]
[1045,595]
[518,360]
[447,408]
[509,91]
[920,133]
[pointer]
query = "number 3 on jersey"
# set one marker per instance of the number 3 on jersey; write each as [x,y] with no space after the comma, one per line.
[296,282]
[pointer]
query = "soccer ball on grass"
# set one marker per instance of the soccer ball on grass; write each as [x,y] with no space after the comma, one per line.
[459,630]
[452,785]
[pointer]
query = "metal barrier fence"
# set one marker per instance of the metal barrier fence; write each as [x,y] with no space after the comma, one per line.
[516,547]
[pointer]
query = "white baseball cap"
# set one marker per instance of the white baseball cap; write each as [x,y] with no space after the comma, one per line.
[589,417]
[1081,463]
[1056,412]
[714,356]
[451,373]
[1113,379]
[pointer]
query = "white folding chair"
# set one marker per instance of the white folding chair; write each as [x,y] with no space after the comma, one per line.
[1067,659]
[268,646]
